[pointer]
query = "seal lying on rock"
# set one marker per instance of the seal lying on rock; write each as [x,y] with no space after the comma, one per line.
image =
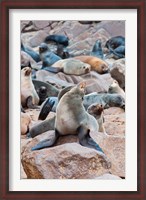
[29,96]
[97,64]
[70,66]
[116,46]
[72,118]
[59,39]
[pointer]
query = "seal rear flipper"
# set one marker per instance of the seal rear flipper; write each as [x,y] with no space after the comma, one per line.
[30,104]
[47,107]
[86,140]
[46,143]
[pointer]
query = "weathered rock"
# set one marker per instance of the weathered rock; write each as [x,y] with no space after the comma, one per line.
[67,161]
[114,148]
[38,38]
[114,121]
[39,24]
[118,72]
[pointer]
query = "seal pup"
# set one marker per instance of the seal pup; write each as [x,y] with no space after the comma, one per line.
[115,88]
[47,56]
[116,46]
[59,39]
[96,110]
[29,96]
[97,50]
[72,118]
[97,64]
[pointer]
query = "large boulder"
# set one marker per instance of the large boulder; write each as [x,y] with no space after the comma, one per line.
[66,161]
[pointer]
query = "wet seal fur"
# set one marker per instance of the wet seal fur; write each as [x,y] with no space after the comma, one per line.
[72,118]
[116,46]
[97,50]
[59,39]
[29,96]
[47,56]
[97,64]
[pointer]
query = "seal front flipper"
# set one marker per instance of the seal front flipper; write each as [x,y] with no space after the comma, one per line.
[47,143]
[29,102]
[47,107]
[86,140]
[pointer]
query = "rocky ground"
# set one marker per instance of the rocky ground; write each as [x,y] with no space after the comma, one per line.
[68,159]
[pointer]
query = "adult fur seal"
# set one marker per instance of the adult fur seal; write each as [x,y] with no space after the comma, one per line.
[70,66]
[29,96]
[116,46]
[97,50]
[115,88]
[97,64]
[72,118]
[48,58]
[59,39]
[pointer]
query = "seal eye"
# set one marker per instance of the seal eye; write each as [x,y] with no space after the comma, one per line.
[84,67]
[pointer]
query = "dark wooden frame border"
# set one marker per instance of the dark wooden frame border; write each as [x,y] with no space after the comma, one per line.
[5,5]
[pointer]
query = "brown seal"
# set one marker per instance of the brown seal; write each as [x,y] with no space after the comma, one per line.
[96,110]
[97,64]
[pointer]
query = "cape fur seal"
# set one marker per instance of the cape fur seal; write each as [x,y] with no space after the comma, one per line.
[115,88]
[59,39]
[72,118]
[47,56]
[29,96]
[116,46]
[97,64]
[62,52]
[70,66]
[96,110]
[97,50]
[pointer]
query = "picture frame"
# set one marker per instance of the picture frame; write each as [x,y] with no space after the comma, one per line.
[6,99]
